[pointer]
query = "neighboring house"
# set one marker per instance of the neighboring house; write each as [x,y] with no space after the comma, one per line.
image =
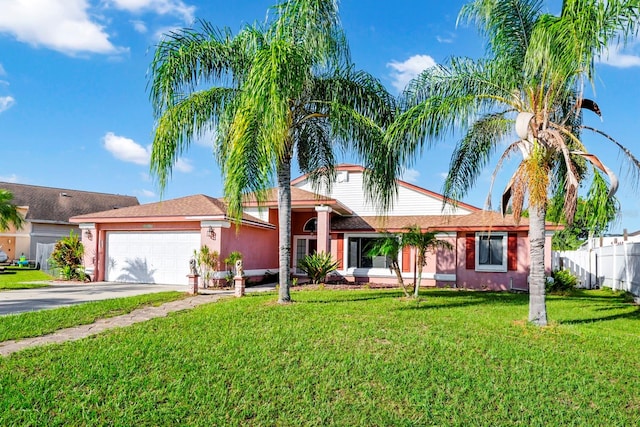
[47,211]
[154,242]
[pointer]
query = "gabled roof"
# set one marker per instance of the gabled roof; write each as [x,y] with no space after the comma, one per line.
[57,205]
[299,198]
[198,207]
[357,168]
[476,221]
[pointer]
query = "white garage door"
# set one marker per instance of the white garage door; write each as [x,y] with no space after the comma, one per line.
[150,257]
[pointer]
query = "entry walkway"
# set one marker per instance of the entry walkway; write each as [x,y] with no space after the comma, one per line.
[136,316]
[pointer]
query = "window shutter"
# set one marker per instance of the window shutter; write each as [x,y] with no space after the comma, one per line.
[470,245]
[406,259]
[340,241]
[512,252]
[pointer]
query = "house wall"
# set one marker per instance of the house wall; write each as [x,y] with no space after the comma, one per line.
[47,233]
[516,279]
[258,247]
[349,191]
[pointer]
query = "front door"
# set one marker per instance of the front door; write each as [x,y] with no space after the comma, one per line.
[304,246]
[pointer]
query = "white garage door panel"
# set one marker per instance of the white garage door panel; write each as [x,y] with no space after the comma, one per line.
[150,257]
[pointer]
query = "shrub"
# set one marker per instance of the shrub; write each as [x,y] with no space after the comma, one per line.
[208,264]
[563,281]
[317,266]
[67,257]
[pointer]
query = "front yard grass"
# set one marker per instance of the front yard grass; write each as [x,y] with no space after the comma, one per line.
[38,323]
[343,358]
[15,278]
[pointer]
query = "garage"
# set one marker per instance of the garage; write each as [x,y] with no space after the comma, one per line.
[150,257]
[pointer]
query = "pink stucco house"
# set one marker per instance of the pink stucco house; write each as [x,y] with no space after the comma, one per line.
[153,243]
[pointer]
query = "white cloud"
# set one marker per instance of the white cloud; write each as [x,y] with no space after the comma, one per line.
[206,139]
[147,193]
[161,7]
[159,34]
[126,149]
[10,178]
[411,176]
[3,72]
[61,25]
[6,102]
[614,57]
[139,26]
[445,39]
[409,69]
[183,165]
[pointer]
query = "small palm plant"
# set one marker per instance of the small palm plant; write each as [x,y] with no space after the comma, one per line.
[317,266]
[208,263]
[422,242]
[390,246]
[230,262]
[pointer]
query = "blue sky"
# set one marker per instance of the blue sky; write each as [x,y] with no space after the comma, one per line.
[74,109]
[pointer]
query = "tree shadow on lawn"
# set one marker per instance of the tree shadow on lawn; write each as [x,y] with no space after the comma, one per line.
[438,295]
[353,297]
[631,315]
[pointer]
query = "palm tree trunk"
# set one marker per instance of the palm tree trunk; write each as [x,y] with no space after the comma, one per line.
[396,268]
[419,265]
[284,224]
[537,302]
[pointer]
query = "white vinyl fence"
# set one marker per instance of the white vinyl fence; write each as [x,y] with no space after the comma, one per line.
[615,266]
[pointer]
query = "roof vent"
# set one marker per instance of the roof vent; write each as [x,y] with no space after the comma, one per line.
[64,195]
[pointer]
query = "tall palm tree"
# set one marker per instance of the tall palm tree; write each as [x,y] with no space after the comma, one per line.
[530,87]
[9,213]
[422,242]
[272,93]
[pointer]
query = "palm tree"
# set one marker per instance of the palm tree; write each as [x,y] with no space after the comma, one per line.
[422,242]
[390,246]
[272,92]
[533,77]
[9,212]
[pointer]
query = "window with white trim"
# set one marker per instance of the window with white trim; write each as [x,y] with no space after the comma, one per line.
[491,251]
[359,257]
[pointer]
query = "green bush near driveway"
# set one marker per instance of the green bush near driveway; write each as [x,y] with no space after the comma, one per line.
[343,358]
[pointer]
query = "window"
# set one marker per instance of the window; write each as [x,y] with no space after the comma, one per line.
[359,248]
[491,251]
[311,225]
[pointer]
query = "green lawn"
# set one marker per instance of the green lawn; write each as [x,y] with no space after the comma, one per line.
[343,358]
[38,323]
[15,278]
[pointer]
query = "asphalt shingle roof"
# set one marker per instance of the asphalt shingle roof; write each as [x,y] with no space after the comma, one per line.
[59,204]
[197,205]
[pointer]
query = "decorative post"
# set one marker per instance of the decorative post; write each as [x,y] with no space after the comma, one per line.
[238,280]
[193,278]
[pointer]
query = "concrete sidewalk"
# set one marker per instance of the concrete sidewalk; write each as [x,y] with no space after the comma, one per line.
[139,315]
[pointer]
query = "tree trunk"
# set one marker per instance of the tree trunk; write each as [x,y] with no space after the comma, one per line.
[419,265]
[537,302]
[284,224]
[396,268]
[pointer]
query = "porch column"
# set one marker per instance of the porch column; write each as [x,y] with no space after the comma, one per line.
[323,228]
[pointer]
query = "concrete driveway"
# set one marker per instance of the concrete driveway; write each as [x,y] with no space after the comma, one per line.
[64,294]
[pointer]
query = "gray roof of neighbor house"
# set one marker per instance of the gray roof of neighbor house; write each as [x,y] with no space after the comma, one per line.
[57,205]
